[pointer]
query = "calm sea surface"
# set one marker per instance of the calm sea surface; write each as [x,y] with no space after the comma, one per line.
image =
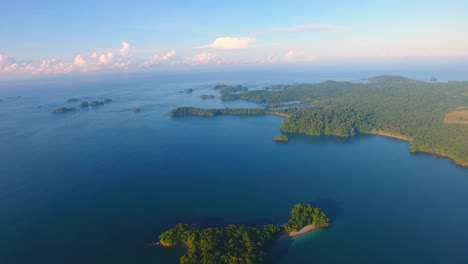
[98,185]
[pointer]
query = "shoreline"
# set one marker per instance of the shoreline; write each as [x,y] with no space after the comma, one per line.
[406,138]
[277,114]
[305,230]
[389,134]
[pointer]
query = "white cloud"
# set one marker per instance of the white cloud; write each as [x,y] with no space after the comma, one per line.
[80,61]
[157,59]
[106,58]
[203,59]
[292,55]
[168,55]
[229,43]
[300,29]
[272,59]
[94,55]
[125,48]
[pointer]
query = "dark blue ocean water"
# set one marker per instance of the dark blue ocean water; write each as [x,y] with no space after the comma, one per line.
[96,186]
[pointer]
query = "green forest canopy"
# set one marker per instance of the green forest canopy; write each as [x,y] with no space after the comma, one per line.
[397,105]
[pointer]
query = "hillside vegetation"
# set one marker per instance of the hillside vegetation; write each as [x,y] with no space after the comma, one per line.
[397,105]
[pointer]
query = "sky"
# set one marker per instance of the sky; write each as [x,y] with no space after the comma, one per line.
[68,37]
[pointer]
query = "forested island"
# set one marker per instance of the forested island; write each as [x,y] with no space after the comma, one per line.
[239,243]
[83,104]
[432,116]
[207,96]
[194,111]
[227,89]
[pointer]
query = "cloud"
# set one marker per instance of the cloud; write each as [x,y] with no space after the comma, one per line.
[300,29]
[203,58]
[106,58]
[292,55]
[80,61]
[168,55]
[272,59]
[94,55]
[125,48]
[229,43]
[157,59]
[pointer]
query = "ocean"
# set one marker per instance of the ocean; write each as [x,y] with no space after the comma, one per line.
[99,184]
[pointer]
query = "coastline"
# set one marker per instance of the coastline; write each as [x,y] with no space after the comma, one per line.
[406,138]
[277,114]
[306,229]
[389,134]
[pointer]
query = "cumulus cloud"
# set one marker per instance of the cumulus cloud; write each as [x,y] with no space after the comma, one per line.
[125,48]
[229,43]
[168,55]
[292,55]
[272,59]
[95,62]
[106,58]
[203,58]
[157,59]
[80,61]
[300,29]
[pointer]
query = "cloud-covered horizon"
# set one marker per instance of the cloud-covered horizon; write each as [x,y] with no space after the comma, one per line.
[229,43]
[123,59]
[105,59]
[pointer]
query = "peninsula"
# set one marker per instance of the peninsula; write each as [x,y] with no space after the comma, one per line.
[239,243]
[432,116]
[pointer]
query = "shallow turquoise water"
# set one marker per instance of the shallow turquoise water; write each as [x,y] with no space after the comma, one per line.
[97,185]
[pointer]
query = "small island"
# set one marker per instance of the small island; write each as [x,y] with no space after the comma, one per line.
[227,89]
[187,91]
[239,243]
[281,138]
[108,101]
[71,100]
[207,96]
[64,110]
[96,103]
[84,104]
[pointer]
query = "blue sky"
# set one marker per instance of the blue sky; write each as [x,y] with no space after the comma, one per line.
[56,37]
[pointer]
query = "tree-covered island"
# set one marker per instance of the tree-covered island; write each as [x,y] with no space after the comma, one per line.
[430,115]
[239,243]
[227,89]
[194,111]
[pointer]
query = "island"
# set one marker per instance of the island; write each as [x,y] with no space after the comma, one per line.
[108,101]
[84,104]
[207,96]
[71,100]
[64,110]
[432,116]
[194,111]
[96,103]
[240,243]
[136,110]
[228,92]
[187,91]
[281,138]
